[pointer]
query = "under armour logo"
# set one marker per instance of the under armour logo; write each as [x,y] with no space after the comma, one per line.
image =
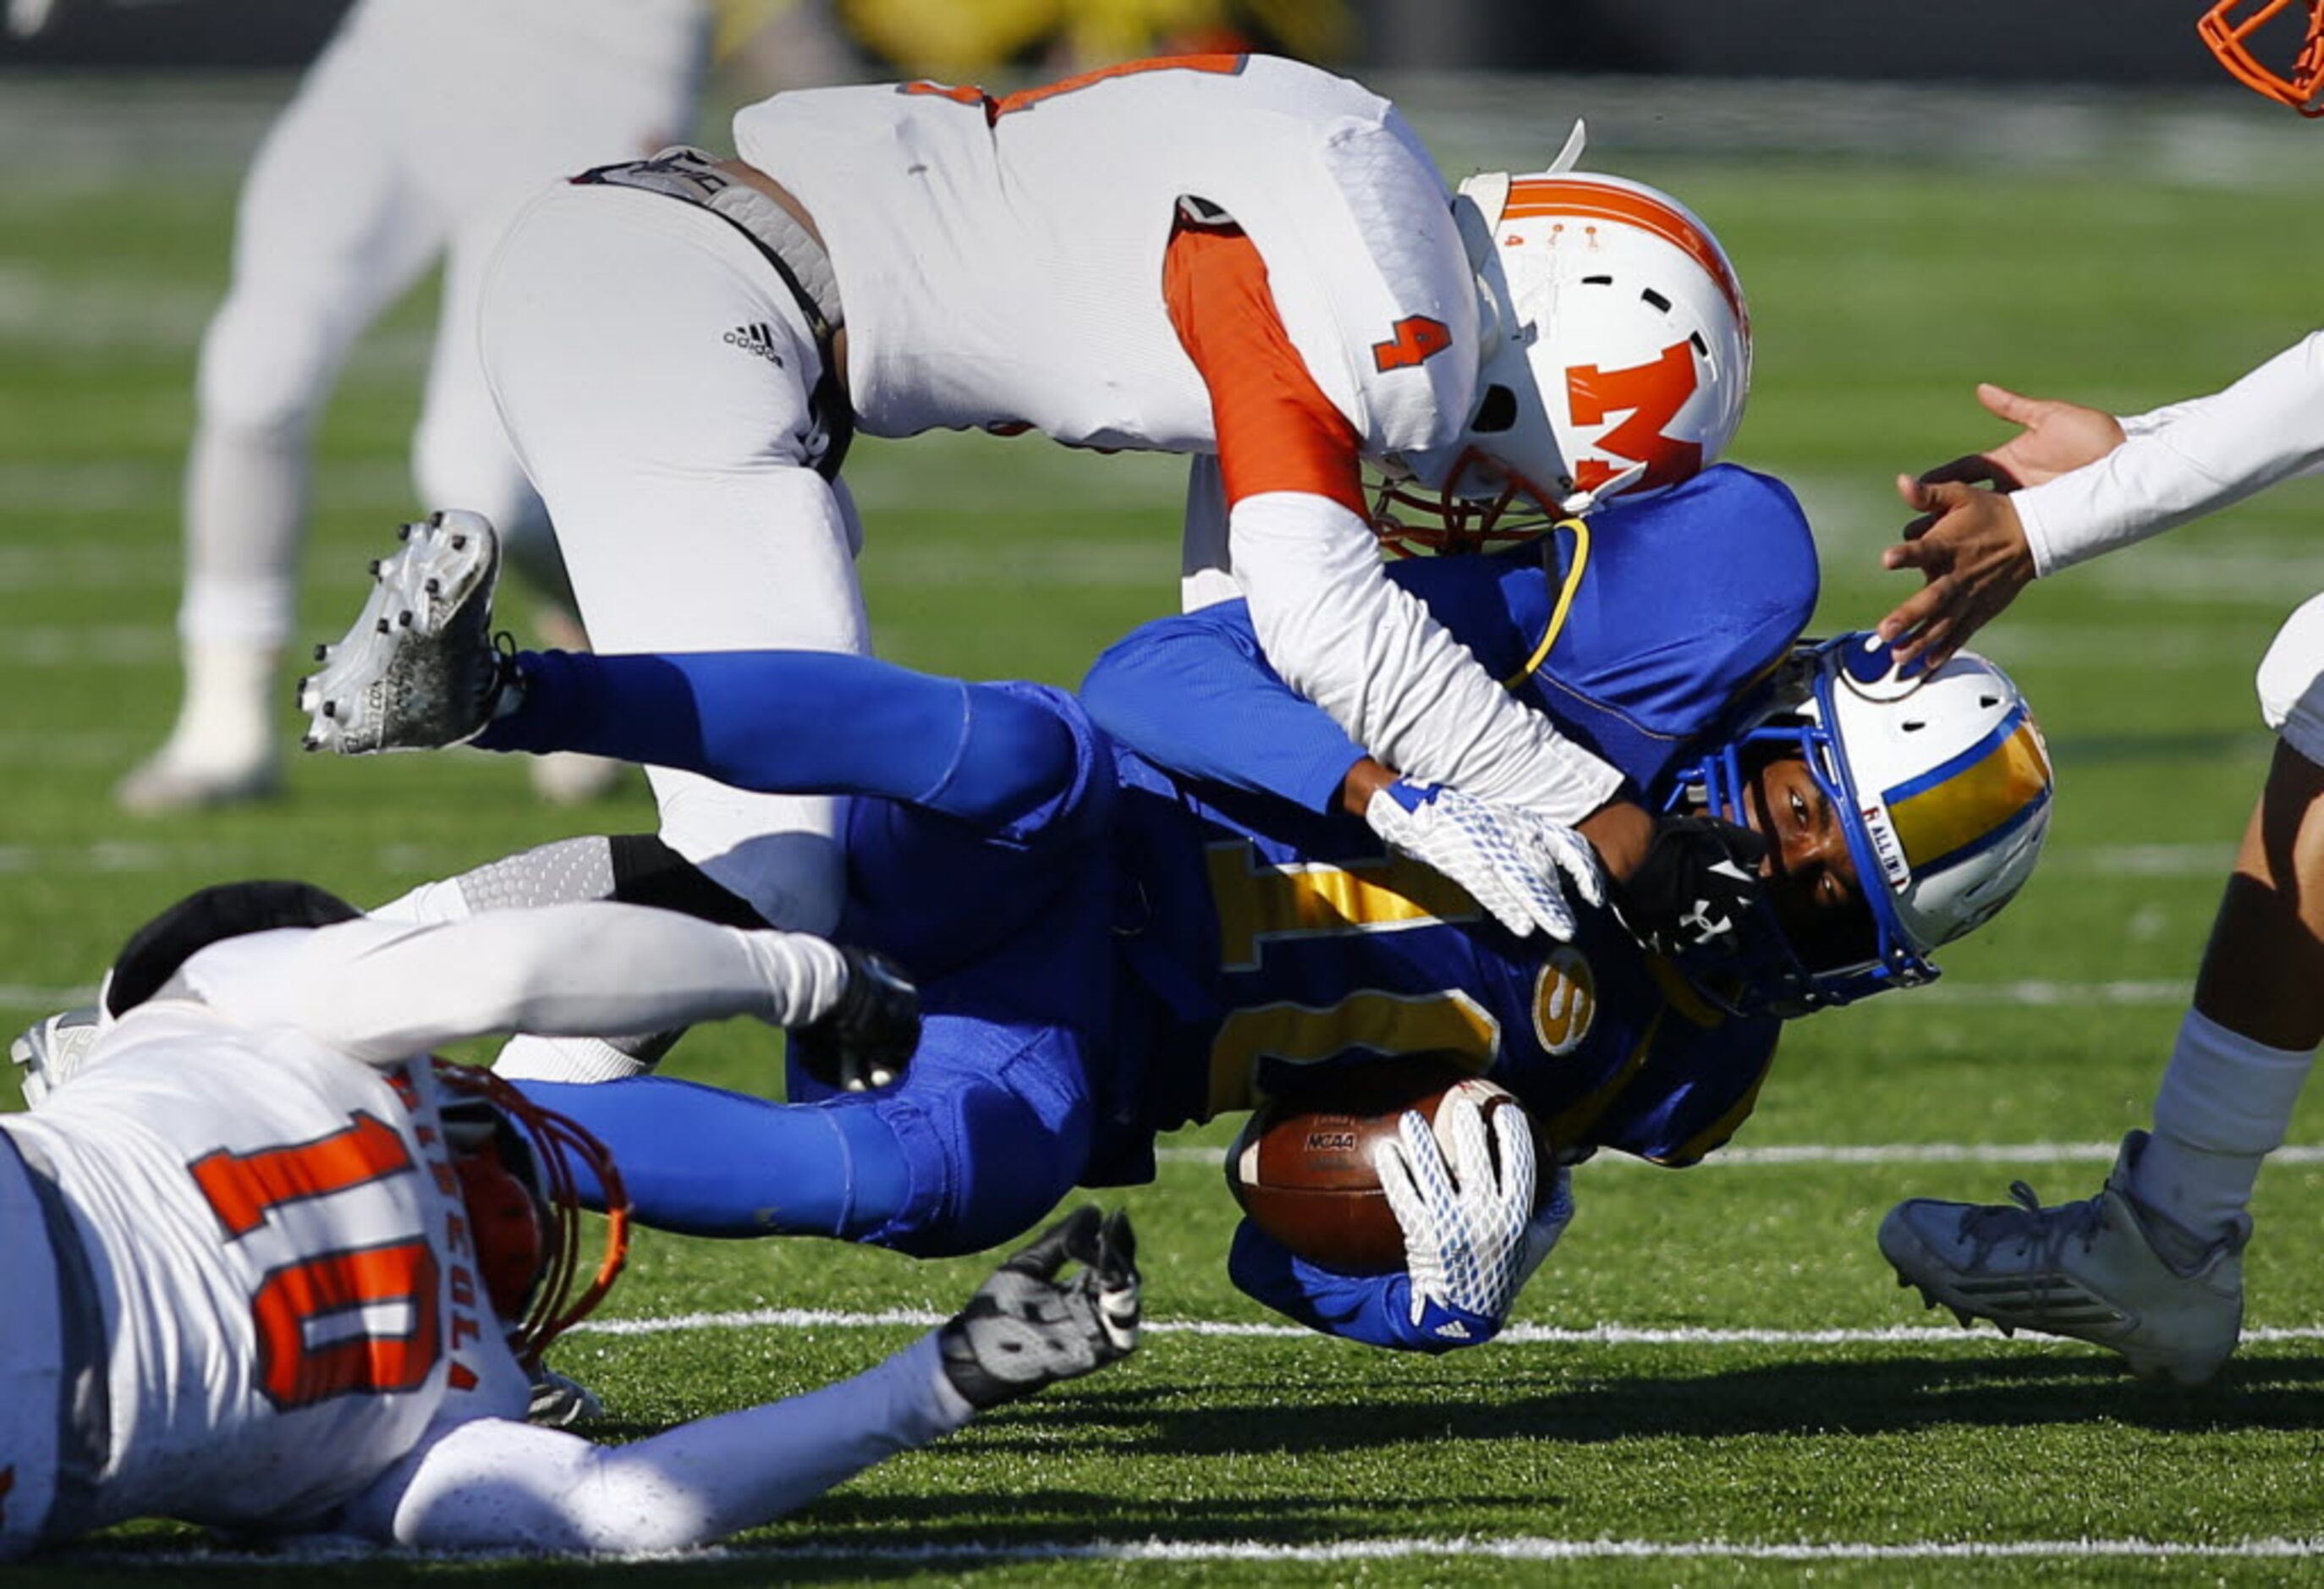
[1699,921]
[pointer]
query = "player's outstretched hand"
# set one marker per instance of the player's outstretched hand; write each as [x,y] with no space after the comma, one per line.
[868,1038]
[1465,1215]
[1029,1325]
[1517,865]
[1696,887]
[1969,543]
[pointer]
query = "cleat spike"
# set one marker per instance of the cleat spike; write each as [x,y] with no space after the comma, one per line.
[1963,1314]
[382,626]
[436,519]
[322,653]
[310,743]
[331,708]
[2009,1330]
[403,619]
[435,587]
[375,565]
[459,543]
[1901,1280]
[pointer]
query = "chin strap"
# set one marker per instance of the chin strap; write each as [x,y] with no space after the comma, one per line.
[1565,606]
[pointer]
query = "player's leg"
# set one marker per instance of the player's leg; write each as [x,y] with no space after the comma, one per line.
[461,458]
[988,1129]
[672,456]
[2152,1266]
[325,236]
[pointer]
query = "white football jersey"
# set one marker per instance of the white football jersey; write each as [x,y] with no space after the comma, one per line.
[1000,261]
[282,1265]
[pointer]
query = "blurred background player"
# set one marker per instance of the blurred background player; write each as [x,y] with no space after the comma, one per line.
[271,1268]
[2152,1266]
[1161,901]
[414,138]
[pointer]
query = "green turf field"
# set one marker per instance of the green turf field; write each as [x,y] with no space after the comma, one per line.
[1714,1380]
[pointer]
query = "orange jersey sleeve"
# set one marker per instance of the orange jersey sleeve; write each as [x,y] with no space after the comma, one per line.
[1277,430]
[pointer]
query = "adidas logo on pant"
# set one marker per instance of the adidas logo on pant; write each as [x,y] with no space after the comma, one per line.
[755,338]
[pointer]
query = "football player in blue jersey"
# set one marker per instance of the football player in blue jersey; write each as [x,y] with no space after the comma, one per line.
[1154,902]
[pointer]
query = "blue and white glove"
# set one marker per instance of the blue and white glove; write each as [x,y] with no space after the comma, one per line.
[1517,865]
[1467,1218]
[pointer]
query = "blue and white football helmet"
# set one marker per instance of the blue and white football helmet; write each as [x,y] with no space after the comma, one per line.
[1942,784]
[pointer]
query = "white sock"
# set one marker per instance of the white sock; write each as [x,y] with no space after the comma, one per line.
[2225,1104]
[225,721]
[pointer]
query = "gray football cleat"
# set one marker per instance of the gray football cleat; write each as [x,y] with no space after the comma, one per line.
[559,1401]
[51,1053]
[420,668]
[2108,1269]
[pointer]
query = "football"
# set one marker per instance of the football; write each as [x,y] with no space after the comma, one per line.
[1301,1165]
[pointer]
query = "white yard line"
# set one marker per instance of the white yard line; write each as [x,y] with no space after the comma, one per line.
[304,1555]
[1516,1335]
[1784,1155]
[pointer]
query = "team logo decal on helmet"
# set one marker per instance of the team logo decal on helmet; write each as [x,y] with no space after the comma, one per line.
[2228,28]
[1943,786]
[1616,354]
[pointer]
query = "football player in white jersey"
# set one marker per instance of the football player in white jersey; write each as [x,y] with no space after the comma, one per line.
[269,1268]
[1239,258]
[2152,1266]
[422,127]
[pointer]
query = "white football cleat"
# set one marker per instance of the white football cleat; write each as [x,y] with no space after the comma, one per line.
[49,1053]
[165,782]
[419,668]
[2108,1269]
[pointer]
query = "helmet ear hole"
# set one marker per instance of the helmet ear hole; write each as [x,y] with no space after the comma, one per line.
[1496,413]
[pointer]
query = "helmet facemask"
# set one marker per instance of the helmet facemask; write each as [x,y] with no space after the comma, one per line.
[1942,795]
[2229,27]
[518,1159]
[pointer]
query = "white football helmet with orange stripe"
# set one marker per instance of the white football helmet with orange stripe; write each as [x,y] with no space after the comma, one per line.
[1616,349]
[1942,784]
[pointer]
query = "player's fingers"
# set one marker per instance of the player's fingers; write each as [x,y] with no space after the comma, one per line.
[1906,617]
[1580,861]
[1404,1199]
[1972,470]
[1048,1252]
[1929,644]
[1513,1147]
[1431,1174]
[2002,403]
[1459,1118]
[1117,1250]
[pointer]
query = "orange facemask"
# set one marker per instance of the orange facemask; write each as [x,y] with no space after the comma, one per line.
[2228,28]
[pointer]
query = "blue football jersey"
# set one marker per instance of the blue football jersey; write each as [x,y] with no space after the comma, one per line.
[1279,934]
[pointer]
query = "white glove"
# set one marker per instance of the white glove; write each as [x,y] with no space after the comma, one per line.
[1517,864]
[1465,1221]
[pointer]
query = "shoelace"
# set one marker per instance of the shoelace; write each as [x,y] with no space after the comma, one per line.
[2026,1220]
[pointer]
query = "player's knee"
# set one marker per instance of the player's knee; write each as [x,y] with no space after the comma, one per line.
[2290,682]
[262,373]
[1006,1155]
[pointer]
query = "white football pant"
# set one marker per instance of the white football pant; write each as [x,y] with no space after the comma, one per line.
[653,372]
